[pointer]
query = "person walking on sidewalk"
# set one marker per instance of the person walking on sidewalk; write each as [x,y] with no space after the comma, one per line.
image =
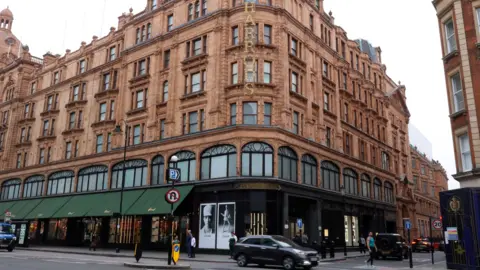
[193,244]
[231,243]
[362,245]
[372,248]
[189,245]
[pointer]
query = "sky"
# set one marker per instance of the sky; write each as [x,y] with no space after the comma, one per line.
[407,31]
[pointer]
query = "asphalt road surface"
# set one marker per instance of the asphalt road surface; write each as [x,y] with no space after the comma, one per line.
[35,260]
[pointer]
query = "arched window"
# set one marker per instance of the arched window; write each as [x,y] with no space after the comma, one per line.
[190,12]
[257,159]
[187,165]
[377,189]
[388,187]
[11,189]
[165,91]
[309,170]
[197,9]
[33,186]
[93,178]
[135,173]
[287,163]
[158,170]
[219,161]
[365,185]
[350,181]
[60,183]
[149,30]
[330,176]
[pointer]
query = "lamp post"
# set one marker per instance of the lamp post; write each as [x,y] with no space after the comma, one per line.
[118,130]
[342,190]
[173,161]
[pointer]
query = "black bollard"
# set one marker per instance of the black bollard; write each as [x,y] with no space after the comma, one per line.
[323,249]
[138,252]
[332,249]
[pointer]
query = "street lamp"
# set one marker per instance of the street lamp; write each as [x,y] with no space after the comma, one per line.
[173,161]
[342,190]
[118,130]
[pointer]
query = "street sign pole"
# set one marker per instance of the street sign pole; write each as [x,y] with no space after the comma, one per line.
[173,175]
[408,225]
[431,238]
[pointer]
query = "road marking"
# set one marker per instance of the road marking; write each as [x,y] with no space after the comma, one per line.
[58,261]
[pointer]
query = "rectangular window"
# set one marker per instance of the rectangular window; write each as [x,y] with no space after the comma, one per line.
[77,148]
[234,73]
[45,128]
[184,124]
[71,122]
[112,53]
[142,67]
[267,72]
[140,99]
[294,85]
[311,22]
[162,129]
[109,142]
[251,71]
[326,101]
[99,144]
[293,47]
[295,122]
[344,82]
[466,157]
[345,112]
[75,94]
[325,69]
[450,36]
[56,77]
[112,109]
[166,59]
[33,88]
[347,144]
[28,133]
[103,112]
[26,111]
[19,161]
[50,103]
[202,119]
[106,81]
[170,22]
[235,38]
[478,17]
[250,113]
[362,150]
[137,133]
[267,114]
[267,34]
[328,137]
[82,66]
[192,122]
[195,82]
[233,114]
[41,156]
[197,46]
[457,92]
[68,150]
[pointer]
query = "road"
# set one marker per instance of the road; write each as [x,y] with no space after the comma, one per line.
[23,259]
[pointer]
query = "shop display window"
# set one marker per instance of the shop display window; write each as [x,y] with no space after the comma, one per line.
[129,231]
[57,229]
[32,231]
[351,230]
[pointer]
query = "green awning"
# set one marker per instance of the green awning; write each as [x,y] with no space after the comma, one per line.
[4,206]
[22,208]
[110,203]
[47,207]
[153,201]
[79,205]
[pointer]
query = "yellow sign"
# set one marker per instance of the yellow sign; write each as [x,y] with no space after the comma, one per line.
[175,252]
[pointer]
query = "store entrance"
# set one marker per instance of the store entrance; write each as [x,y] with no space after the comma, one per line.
[302,219]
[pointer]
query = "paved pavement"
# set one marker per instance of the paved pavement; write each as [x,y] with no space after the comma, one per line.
[158,255]
[23,259]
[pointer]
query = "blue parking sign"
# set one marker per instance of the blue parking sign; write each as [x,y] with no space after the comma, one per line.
[299,223]
[407,224]
[173,174]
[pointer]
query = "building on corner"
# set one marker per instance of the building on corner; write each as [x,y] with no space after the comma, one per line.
[321,146]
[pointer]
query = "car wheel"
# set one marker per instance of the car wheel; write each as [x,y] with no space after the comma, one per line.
[288,263]
[242,260]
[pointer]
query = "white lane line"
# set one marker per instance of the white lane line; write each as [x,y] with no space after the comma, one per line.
[58,261]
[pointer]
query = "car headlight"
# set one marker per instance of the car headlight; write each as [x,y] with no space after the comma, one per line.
[299,252]
[14,238]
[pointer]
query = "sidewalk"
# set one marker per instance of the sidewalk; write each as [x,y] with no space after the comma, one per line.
[161,255]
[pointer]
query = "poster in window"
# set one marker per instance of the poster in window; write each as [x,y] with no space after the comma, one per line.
[206,235]
[226,224]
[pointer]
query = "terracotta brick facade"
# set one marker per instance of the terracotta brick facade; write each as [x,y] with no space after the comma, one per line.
[459,23]
[153,71]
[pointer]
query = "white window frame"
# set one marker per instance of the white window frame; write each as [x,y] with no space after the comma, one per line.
[450,42]
[465,154]
[457,94]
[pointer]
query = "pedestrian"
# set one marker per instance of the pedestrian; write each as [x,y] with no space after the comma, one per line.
[305,239]
[362,245]
[372,248]
[188,244]
[193,244]
[93,243]
[231,243]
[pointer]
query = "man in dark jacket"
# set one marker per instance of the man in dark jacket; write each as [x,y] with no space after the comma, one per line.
[189,246]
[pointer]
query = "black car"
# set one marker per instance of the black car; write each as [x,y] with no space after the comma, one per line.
[273,250]
[391,245]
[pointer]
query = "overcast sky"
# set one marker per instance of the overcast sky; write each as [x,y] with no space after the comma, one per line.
[407,31]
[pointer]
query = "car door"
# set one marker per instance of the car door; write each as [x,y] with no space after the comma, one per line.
[271,254]
[251,247]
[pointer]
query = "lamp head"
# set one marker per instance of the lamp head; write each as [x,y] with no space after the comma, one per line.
[173,158]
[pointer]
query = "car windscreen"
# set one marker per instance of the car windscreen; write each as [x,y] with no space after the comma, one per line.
[285,242]
[5,229]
